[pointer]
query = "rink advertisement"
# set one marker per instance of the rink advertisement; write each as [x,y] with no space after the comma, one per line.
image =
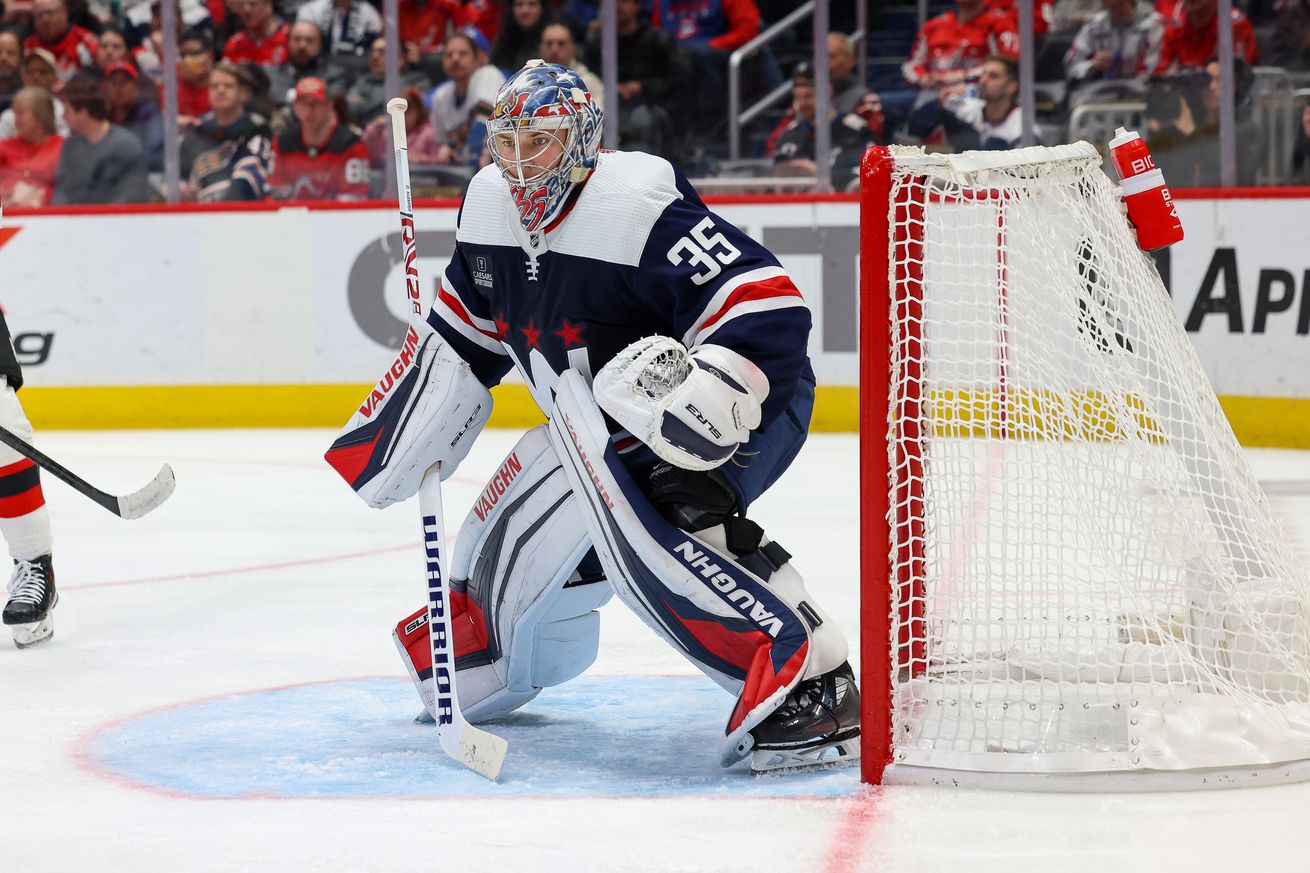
[284,316]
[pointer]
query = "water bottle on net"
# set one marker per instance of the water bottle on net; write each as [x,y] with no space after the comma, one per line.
[1150,206]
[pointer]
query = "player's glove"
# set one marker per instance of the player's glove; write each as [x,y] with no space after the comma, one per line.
[693,408]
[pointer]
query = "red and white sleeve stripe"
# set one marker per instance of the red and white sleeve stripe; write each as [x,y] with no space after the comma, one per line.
[761,290]
[479,331]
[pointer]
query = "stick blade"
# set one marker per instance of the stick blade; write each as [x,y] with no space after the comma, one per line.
[481,752]
[148,498]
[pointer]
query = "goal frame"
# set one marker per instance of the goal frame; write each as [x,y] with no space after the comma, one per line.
[892,440]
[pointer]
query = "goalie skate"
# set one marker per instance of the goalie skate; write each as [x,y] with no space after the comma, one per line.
[816,727]
[29,611]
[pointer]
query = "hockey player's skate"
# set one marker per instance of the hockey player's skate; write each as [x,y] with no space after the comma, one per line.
[818,725]
[32,599]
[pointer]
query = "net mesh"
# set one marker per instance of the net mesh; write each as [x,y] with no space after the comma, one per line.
[1086,575]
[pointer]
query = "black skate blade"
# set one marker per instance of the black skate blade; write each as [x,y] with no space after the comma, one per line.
[835,753]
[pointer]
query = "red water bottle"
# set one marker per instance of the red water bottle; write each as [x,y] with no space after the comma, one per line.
[1150,205]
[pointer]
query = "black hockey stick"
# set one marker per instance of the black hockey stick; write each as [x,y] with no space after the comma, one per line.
[133,505]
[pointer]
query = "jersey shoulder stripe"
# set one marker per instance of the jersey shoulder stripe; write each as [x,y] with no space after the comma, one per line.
[450,309]
[756,290]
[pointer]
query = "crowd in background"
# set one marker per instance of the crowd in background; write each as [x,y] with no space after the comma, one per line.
[286,98]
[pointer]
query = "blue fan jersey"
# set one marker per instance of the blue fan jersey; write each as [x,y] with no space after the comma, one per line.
[637,253]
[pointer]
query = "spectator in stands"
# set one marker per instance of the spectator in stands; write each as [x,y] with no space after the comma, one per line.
[143,28]
[305,59]
[654,75]
[73,47]
[1182,127]
[557,47]
[849,93]
[1301,152]
[11,60]
[991,119]
[424,147]
[952,47]
[38,72]
[1193,39]
[1289,47]
[134,112]
[99,162]
[708,31]
[28,161]
[521,25]
[722,26]
[112,48]
[367,96]
[850,137]
[348,26]
[460,106]
[1119,43]
[263,38]
[227,156]
[195,61]
[318,157]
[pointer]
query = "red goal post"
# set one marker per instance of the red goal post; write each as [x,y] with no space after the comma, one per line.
[1070,578]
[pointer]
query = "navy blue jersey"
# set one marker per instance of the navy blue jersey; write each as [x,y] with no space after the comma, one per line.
[636,254]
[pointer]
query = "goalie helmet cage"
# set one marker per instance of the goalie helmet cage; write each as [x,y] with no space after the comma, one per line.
[1070,577]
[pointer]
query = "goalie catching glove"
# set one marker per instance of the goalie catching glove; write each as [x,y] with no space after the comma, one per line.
[692,408]
[428,408]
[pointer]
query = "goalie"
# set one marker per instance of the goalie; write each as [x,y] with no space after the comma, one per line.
[610,286]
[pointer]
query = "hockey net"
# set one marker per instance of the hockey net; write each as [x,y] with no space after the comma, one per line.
[1071,575]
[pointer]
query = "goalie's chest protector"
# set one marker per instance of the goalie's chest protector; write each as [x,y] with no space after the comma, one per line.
[573,296]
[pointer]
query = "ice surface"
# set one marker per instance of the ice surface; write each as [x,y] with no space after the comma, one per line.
[222,695]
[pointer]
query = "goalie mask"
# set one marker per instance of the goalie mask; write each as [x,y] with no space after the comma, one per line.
[544,135]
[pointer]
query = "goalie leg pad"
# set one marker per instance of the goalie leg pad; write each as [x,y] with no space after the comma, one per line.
[522,613]
[428,408]
[690,589]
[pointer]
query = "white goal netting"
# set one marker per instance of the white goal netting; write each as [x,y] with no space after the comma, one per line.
[1086,577]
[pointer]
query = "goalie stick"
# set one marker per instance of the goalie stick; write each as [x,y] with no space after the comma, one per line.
[129,506]
[480,751]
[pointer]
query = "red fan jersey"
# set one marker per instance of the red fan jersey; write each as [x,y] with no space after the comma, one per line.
[338,170]
[74,50]
[192,100]
[947,45]
[1189,47]
[424,22]
[267,51]
[1041,14]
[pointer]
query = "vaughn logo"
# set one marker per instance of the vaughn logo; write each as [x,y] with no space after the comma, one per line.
[498,485]
[393,376]
[481,272]
[699,562]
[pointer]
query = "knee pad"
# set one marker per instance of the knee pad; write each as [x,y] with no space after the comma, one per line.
[522,614]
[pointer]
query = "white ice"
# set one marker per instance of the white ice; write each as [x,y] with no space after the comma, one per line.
[222,695]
